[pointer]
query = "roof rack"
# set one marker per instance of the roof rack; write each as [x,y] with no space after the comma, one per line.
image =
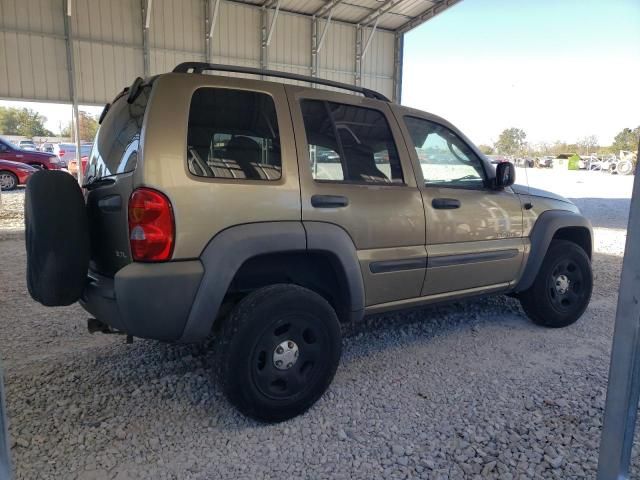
[199,67]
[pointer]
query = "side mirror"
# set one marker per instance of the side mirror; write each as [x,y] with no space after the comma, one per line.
[505,174]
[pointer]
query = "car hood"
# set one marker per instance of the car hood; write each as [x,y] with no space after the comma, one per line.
[538,192]
[36,154]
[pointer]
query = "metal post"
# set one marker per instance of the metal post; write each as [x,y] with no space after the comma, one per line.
[146,23]
[71,73]
[623,389]
[5,458]
[314,47]
[264,61]
[398,53]
[211,17]
[273,23]
[358,66]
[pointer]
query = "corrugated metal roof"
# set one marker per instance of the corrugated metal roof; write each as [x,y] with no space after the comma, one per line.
[394,14]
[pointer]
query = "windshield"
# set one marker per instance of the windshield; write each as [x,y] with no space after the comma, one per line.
[8,142]
[115,149]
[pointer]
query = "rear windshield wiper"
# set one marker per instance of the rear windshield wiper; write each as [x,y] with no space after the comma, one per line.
[99,182]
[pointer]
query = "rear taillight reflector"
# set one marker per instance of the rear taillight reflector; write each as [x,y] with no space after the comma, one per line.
[151,227]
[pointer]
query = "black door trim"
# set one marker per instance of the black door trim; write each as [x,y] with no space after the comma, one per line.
[386,266]
[465,258]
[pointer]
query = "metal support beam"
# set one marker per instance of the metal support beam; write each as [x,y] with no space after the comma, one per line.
[327,7]
[358,65]
[211,19]
[398,59]
[386,6]
[314,46]
[264,60]
[427,15]
[325,30]
[146,24]
[273,23]
[623,389]
[73,94]
[368,44]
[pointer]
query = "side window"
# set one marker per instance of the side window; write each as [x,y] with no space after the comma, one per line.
[350,144]
[3,147]
[445,159]
[233,134]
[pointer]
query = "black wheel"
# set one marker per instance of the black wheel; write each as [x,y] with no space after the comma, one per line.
[279,351]
[8,180]
[57,238]
[562,290]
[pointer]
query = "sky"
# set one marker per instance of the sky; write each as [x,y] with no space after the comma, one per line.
[558,69]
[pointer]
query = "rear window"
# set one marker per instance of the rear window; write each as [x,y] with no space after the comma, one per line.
[115,149]
[233,134]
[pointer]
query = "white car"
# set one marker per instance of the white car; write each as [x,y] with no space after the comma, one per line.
[27,145]
[67,152]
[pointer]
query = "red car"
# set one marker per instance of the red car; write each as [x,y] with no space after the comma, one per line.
[13,174]
[47,161]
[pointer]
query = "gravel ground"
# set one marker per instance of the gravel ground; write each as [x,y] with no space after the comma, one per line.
[472,390]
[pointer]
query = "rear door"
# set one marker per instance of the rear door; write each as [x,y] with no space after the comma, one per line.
[355,173]
[111,168]
[474,233]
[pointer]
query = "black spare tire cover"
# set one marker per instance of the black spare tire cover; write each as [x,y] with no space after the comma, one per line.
[57,238]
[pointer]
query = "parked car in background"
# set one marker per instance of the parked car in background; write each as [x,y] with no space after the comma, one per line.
[72,166]
[47,147]
[544,162]
[13,174]
[67,151]
[27,145]
[46,161]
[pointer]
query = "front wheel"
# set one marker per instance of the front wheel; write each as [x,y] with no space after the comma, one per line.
[8,181]
[562,290]
[279,351]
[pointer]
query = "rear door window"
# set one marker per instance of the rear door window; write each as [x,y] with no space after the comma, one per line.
[350,144]
[233,134]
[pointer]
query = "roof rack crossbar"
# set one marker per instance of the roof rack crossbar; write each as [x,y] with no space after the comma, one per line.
[199,67]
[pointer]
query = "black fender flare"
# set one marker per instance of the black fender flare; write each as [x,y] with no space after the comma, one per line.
[228,250]
[543,231]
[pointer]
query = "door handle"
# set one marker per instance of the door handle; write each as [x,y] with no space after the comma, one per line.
[445,203]
[329,201]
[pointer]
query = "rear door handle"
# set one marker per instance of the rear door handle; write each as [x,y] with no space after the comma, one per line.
[329,201]
[445,203]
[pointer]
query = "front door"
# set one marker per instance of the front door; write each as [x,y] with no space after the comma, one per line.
[474,232]
[355,173]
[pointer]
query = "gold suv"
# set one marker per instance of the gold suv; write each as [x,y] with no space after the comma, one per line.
[270,213]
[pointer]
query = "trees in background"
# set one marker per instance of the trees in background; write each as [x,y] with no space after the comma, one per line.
[588,144]
[512,141]
[627,139]
[486,149]
[88,128]
[22,121]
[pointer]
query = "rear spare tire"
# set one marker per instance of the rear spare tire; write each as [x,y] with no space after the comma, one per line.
[57,238]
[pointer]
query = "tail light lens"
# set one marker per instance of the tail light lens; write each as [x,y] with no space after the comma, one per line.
[151,227]
[61,153]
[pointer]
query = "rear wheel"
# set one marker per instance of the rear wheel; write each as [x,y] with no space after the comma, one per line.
[279,351]
[562,290]
[8,180]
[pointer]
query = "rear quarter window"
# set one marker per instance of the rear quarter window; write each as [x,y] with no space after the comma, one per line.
[233,134]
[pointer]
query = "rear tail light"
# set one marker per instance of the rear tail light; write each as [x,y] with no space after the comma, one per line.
[61,153]
[151,227]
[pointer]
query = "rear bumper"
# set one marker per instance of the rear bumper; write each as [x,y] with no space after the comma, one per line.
[148,300]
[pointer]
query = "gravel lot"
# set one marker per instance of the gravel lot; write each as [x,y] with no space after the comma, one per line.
[472,390]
